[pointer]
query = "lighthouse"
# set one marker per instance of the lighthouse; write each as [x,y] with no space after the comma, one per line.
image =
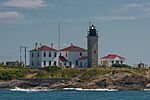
[92,46]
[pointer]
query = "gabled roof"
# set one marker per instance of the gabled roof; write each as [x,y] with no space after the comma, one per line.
[44,48]
[83,58]
[62,58]
[112,56]
[34,50]
[73,48]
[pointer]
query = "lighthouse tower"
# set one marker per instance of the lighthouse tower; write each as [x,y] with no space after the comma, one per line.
[92,44]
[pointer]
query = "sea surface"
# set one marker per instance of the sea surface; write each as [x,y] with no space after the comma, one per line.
[74,95]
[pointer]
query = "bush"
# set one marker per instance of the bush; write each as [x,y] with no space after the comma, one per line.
[6,76]
[42,74]
[14,73]
[69,72]
[52,68]
[121,66]
[92,73]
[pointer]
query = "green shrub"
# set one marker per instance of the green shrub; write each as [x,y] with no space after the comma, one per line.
[69,72]
[42,74]
[92,73]
[120,66]
[52,68]
[139,71]
[14,73]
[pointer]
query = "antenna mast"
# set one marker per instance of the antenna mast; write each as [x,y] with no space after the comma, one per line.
[89,24]
[59,35]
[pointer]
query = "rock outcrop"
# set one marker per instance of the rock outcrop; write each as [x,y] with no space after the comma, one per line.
[121,80]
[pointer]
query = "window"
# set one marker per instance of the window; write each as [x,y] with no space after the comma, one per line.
[112,61]
[38,63]
[54,63]
[32,54]
[44,54]
[66,54]
[65,64]
[55,54]
[70,64]
[80,53]
[81,64]
[76,62]
[32,63]
[44,63]
[38,54]
[84,64]
[117,62]
[49,63]
[49,54]
[121,62]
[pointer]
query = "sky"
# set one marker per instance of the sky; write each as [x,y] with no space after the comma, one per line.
[123,26]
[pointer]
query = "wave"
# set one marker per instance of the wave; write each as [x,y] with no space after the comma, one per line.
[28,90]
[146,89]
[45,89]
[80,89]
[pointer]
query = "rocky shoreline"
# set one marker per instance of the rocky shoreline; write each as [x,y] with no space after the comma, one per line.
[115,80]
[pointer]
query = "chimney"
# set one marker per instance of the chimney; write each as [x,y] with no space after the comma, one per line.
[52,45]
[36,45]
[71,44]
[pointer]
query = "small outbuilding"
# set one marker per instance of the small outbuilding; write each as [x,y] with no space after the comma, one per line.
[111,59]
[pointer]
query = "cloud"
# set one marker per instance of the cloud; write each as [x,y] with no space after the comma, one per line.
[10,16]
[134,11]
[136,6]
[131,6]
[115,18]
[28,4]
[133,17]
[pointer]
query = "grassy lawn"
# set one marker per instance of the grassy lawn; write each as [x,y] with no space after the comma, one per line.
[61,72]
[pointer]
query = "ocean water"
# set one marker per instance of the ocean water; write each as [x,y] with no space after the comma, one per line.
[74,95]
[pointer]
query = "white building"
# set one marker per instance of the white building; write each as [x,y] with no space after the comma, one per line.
[72,56]
[43,56]
[111,59]
[75,56]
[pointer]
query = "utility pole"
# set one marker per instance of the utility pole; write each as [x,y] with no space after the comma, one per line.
[59,35]
[59,41]
[20,55]
[25,56]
